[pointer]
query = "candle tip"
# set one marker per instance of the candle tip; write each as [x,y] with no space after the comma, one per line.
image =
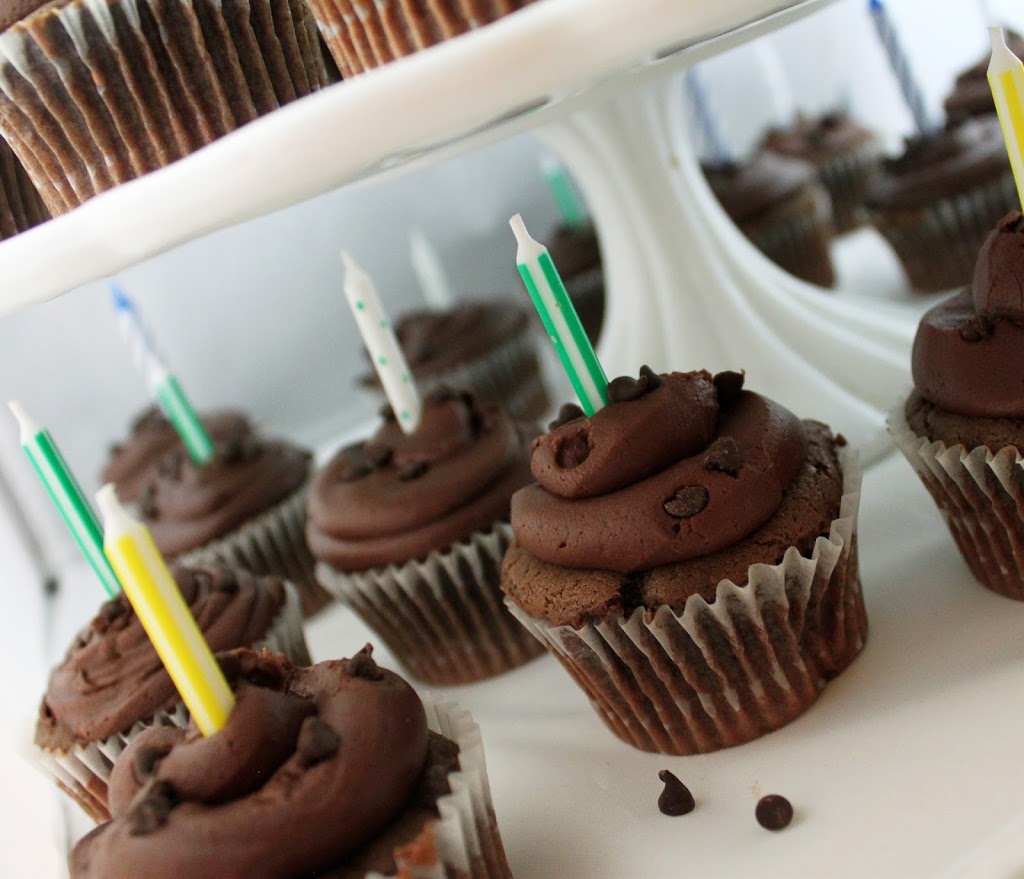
[110,508]
[25,423]
[121,300]
[519,229]
[875,5]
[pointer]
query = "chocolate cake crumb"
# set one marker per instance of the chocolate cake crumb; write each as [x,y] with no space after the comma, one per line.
[152,806]
[676,798]
[568,412]
[687,502]
[723,455]
[773,812]
[317,741]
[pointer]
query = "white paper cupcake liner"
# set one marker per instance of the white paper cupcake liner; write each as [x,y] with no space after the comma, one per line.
[83,771]
[980,494]
[466,835]
[272,543]
[443,617]
[94,93]
[938,245]
[846,178]
[724,673]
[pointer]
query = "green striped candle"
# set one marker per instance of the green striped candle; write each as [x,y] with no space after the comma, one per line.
[570,207]
[560,320]
[67,496]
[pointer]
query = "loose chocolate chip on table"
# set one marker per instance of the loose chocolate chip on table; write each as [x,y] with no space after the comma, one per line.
[687,502]
[676,798]
[773,812]
[568,412]
[723,455]
[317,741]
[729,385]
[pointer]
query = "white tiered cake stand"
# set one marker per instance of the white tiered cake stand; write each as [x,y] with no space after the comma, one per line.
[909,764]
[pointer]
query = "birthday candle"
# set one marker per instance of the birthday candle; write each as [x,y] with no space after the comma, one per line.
[714,140]
[560,320]
[1006,78]
[165,616]
[573,214]
[429,271]
[379,338]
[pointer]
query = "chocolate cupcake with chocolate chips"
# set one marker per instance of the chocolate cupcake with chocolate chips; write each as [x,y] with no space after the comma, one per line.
[410,530]
[689,555]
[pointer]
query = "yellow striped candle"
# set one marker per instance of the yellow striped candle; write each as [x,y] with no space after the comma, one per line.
[1006,78]
[164,615]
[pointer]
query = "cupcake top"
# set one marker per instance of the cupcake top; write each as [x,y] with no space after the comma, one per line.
[186,505]
[399,497]
[954,161]
[748,189]
[436,341]
[575,250]
[972,95]
[321,771]
[969,348]
[133,463]
[112,677]
[818,139]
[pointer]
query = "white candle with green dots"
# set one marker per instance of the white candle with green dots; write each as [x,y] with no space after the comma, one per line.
[380,340]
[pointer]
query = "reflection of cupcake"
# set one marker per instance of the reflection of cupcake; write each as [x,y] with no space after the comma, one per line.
[112,684]
[21,207]
[365,35]
[972,95]
[844,154]
[689,555]
[962,427]
[937,201]
[334,770]
[487,347]
[780,206]
[96,93]
[410,531]
[245,507]
[576,253]
[133,464]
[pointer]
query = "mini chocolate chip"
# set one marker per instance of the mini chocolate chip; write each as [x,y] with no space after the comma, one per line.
[151,416]
[387,413]
[573,450]
[145,761]
[676,798]
[240,446]
[317,741]
[729,385]
[378,454]
[152,806]
[170,465]
[625,388]
[976,328]
[841,440]
[654,380]
[147,502]
[723,455]
[568,412]
[362,665]
[413,470]
[687,502]
[111,610]
[773,812]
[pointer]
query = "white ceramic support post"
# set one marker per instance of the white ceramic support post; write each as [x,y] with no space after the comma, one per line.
[686,290]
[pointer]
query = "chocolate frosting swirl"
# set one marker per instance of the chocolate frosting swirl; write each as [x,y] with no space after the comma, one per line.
[714,473]
[968,348]
[311,764]
[186,505]
[955,160]
[972,95]
[748,189]
[134,463]
[818,139]
[398,497]
[112,676]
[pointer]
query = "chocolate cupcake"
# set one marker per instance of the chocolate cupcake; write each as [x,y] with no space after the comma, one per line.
[245,507]
[844,154]
[21,207]
[972,94]
[576,253]
[936,203]
[781,207]
[962,427]
[689,555]
[487,347]
[94,93]
[111,684]
[410,532]
[364,35]
[338,770]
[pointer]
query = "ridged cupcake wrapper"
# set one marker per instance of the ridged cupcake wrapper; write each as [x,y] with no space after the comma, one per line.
[21,207]
[724,673]
[466,835]
[272,543]
[796,235]
[938,245]
[509,374]
[846,178]
[981,495]
[95,92]
[443,617]
[84,771]
[362,34]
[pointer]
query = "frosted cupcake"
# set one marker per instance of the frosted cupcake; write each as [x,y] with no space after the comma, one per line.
[112,684]
[689,555]
[971,94]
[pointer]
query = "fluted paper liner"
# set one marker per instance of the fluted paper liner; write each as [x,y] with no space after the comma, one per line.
[846,178]
[83,771]
[727,672]
[272,543]
[466,835]
[443,617]
[938,245]
[980,493]
[21,207]
[97,92]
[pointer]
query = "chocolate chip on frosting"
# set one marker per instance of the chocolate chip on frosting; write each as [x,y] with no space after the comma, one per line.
[170,465]
[151,808]
[687,502]
[729,384]
[378,454]
[676,798]
[568,412]
[723,456]
[626,388]
[976,328]
[111,610]
[147,502]
[317,742]
[362,665]
[413,470]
